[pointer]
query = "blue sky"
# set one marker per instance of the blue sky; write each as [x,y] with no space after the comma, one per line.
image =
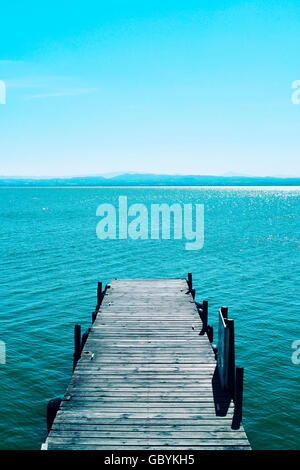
[164,87]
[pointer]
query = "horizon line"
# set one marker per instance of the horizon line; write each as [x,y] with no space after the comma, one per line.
[112,175]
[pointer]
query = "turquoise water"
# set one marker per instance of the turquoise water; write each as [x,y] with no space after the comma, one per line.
[51,261]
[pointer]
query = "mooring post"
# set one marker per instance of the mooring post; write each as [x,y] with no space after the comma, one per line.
[204,317]
[210,333]
[190,281]
[231,357]
[52,409]
[205,314]
[84,338]
[94,316]
[99,294]
[238,398]
[77,344]
[224,311]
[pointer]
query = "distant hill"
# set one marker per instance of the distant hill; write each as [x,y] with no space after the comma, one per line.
[139,179]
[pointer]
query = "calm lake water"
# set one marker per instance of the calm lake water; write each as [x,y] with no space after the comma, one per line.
[51,261]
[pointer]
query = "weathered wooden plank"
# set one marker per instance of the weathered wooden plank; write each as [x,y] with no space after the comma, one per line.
[156,414]
[137,362]
[142,428]
[90,441]
[148,434]
[132,423]
[143,447]
[144,400]
[119,387]
[197,382]
[94,391]
[142,368]
[186,331]
[146,378]
[138,383]
[113,342]
[135,406]
[144,358]
[148,356]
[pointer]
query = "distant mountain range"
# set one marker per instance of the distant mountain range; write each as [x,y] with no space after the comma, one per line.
[139,179]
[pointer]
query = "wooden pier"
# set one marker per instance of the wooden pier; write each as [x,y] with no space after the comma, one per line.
[146,375]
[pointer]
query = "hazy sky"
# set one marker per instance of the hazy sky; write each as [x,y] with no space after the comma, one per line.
[149,86]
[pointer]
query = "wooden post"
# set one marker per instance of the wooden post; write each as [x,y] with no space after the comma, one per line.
[52,409]
[190,281]
[205,314]
[84,338]
[231,358]
[204,317]
[238,399]
[224,311]
[193,292]
[210,333]
[77,345]
[223,346]
[226,352]
[99,294]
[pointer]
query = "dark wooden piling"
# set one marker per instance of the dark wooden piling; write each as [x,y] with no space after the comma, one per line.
[77,345]
[224,311]
[205,315]
[190,281]
[203,312]
[210,333]
[99,295]
[52,409]
[238,398]
[226,352]
[231,357]
[84,338]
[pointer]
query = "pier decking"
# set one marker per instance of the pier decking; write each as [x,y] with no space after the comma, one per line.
[146,378]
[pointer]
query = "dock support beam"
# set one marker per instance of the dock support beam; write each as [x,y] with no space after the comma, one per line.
[190,282]
[84,338]
[210,333]
[203,312]
[231,358]
[238,398]
[190,285]
[224,311]
[52,409]
[77,345]
[99,295]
